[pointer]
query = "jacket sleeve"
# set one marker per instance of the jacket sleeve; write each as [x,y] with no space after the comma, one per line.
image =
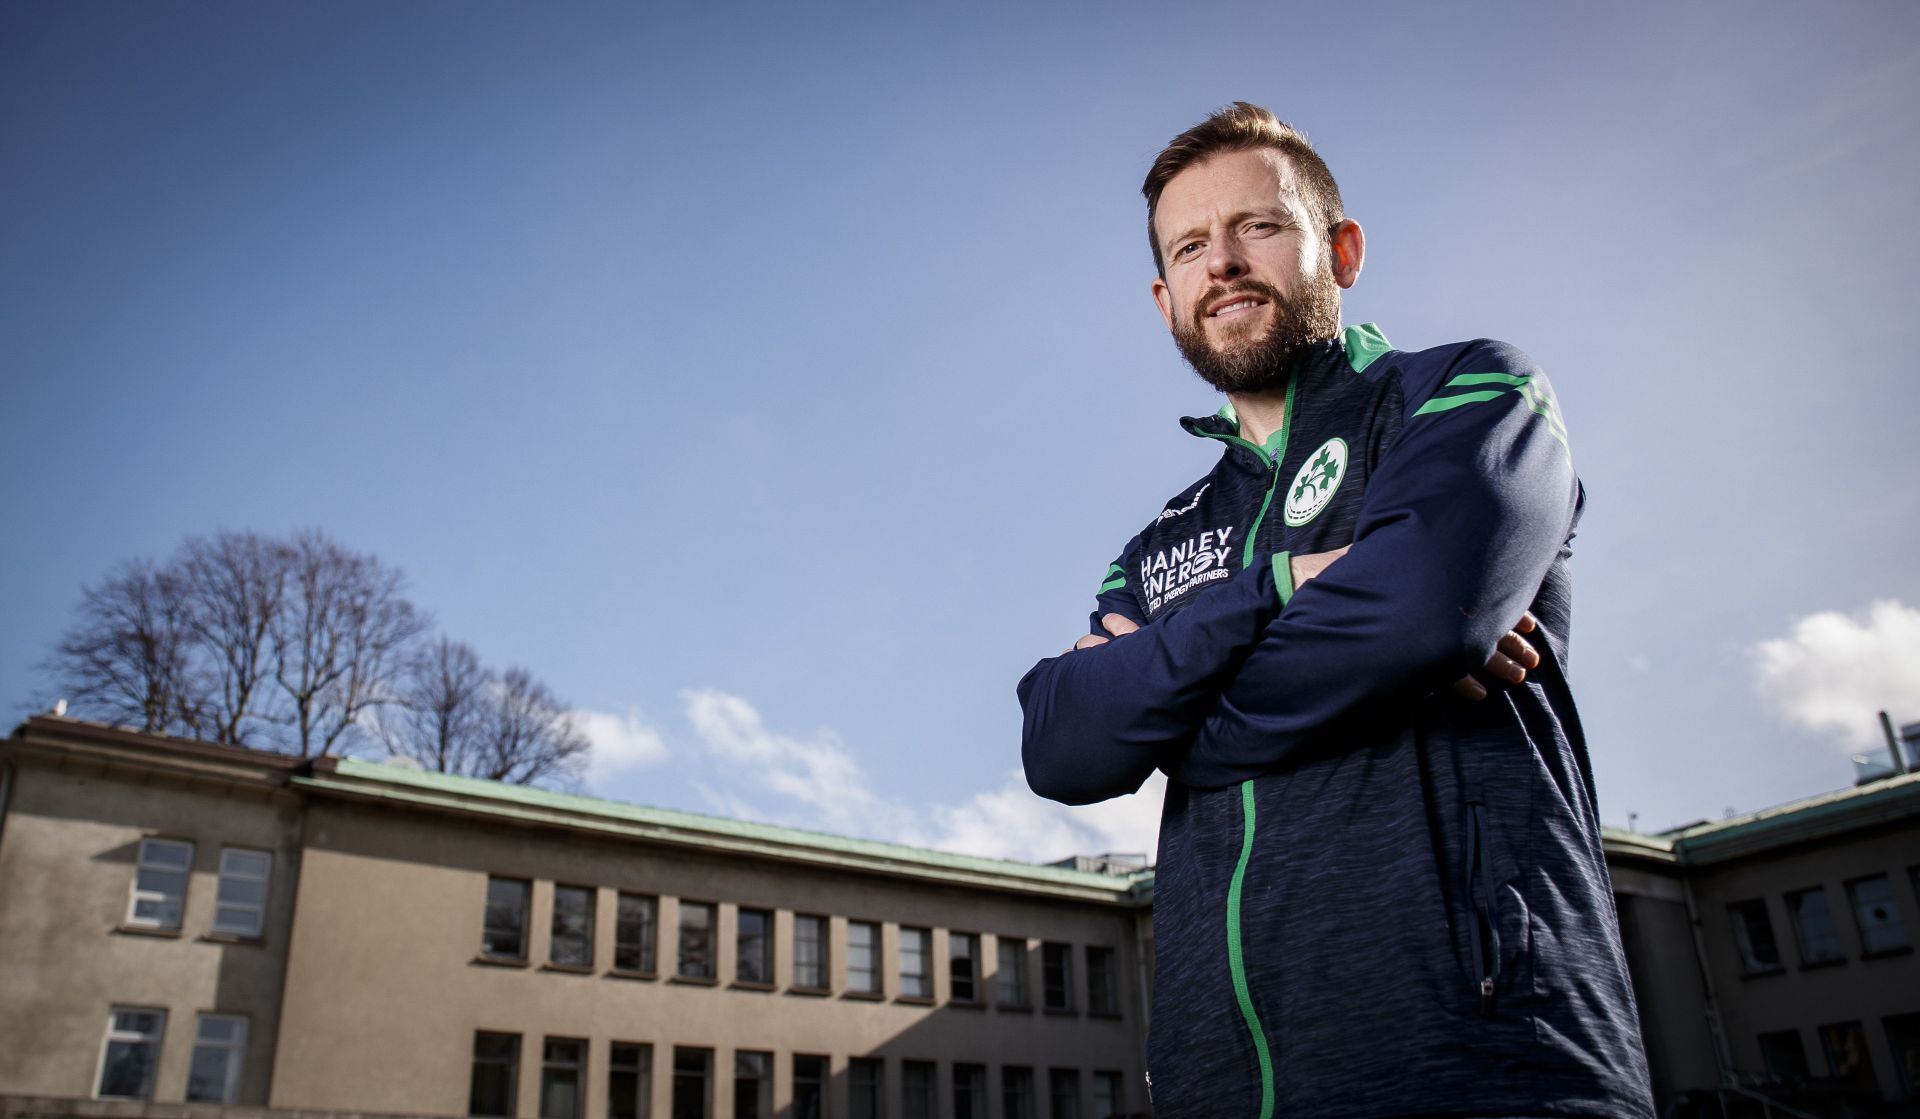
[1462,519]
[1097,721]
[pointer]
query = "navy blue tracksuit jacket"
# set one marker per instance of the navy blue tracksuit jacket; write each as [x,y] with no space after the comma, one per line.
[1373,898]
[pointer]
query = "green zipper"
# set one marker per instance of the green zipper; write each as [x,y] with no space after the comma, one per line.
[1236,960]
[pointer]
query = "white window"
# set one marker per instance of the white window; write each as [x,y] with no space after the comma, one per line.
[160,884]
[132,1052]
[219,1053]
[240,909]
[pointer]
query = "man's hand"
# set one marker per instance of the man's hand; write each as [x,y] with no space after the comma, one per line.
[1510,662]
[1119,625]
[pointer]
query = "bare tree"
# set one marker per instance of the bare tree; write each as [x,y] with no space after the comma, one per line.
[530,735]
[233,584]
[442,706]
[129,655]
[340,638]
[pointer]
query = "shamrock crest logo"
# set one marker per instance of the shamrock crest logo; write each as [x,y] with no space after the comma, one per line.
[1316,482]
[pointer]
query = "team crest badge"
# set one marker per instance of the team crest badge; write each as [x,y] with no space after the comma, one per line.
[1313,487]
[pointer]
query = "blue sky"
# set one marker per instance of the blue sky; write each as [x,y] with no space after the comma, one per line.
[777,381]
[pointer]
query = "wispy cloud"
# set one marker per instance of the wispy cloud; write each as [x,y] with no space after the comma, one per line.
[1834,672]
[821,785]
[619,743]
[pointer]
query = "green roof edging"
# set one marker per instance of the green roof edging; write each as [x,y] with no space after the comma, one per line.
[351,775]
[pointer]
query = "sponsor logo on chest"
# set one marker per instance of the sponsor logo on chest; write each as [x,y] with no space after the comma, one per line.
[1171,572]
[1313,487]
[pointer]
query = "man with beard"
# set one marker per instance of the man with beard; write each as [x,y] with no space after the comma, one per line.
[1377,893]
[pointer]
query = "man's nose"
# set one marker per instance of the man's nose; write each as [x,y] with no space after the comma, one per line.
[1224,261]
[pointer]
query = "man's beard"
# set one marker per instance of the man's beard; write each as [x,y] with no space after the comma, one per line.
[1262,363]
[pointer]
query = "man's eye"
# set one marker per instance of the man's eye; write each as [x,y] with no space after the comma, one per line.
[1262,226]
[1187,249]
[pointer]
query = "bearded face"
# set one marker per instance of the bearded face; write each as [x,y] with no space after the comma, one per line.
[1259,361]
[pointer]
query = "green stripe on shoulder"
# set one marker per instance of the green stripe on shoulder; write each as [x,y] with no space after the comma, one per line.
[1116,579]
[1445,403]
[1465,379]
[1364,345]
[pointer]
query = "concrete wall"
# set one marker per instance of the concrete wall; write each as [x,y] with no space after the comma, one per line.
[67,857]
[385,987]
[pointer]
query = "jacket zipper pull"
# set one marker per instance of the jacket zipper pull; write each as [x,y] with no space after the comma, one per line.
[1486,997]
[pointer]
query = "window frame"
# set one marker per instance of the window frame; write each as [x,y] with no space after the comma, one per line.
[1897,924]
[971,978]
[136,894]
[1864,1076]
[1049,950]
[1797,910]
[916,986]
[875,971]
[1070,1078]
[1118,1103]
[647,948]
[1772,1046]
[760,1084]
[640,1068]
[1739,920]
[585,937]
[822,1082]
[1103,981]
[763,956]
[259,909]
[152,1042]
[550,1066]
[1014,950]
[515,1043]
[823,960]
[1016,1092]
[857,1070]
[487,928]
[704,1055]
[681,957]
[928,1104]
[235,1050]
[970,1086]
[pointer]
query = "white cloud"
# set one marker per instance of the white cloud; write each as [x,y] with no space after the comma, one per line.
[826,788]
[1835,672]
[619,742]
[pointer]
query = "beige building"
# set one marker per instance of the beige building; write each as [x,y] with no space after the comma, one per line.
[185,922]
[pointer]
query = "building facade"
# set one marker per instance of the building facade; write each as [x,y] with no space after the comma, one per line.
[194,923]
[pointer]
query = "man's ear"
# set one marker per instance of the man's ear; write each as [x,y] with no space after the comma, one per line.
[1164,300]
[1349,252]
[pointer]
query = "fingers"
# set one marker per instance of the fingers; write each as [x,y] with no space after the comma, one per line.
[1088,642]
[1526,624]
[1503,668]
[1468,688]
[1117,624]
[1520,651]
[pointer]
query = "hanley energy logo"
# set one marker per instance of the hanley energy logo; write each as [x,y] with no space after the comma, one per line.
[1313,487]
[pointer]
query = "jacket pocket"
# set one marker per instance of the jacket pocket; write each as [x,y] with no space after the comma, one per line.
[1483,931]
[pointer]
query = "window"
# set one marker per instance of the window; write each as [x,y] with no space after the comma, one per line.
[1813,927]
[917,1088]
[572,944]
[692,1087]
[1881,929]
[696,941]
[1903,1039]
[1063,1091]
[219,1053]
[752,1085]
[133,1050]
[753,958]
[1010,982]
[240,904]
[563,1062]
[1782,1055]
[1753,935]
[1102,997]
[916,982]
[496,1067]
[1846,1046]
[865,1084]
[863,957]
[629,1080]
[810,952]
[809,1086]
[1056,966]
[1016,1092]
[1107,1101]
[635,918]
[969,1091]
[963,967]
[505,935]
[160,884]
